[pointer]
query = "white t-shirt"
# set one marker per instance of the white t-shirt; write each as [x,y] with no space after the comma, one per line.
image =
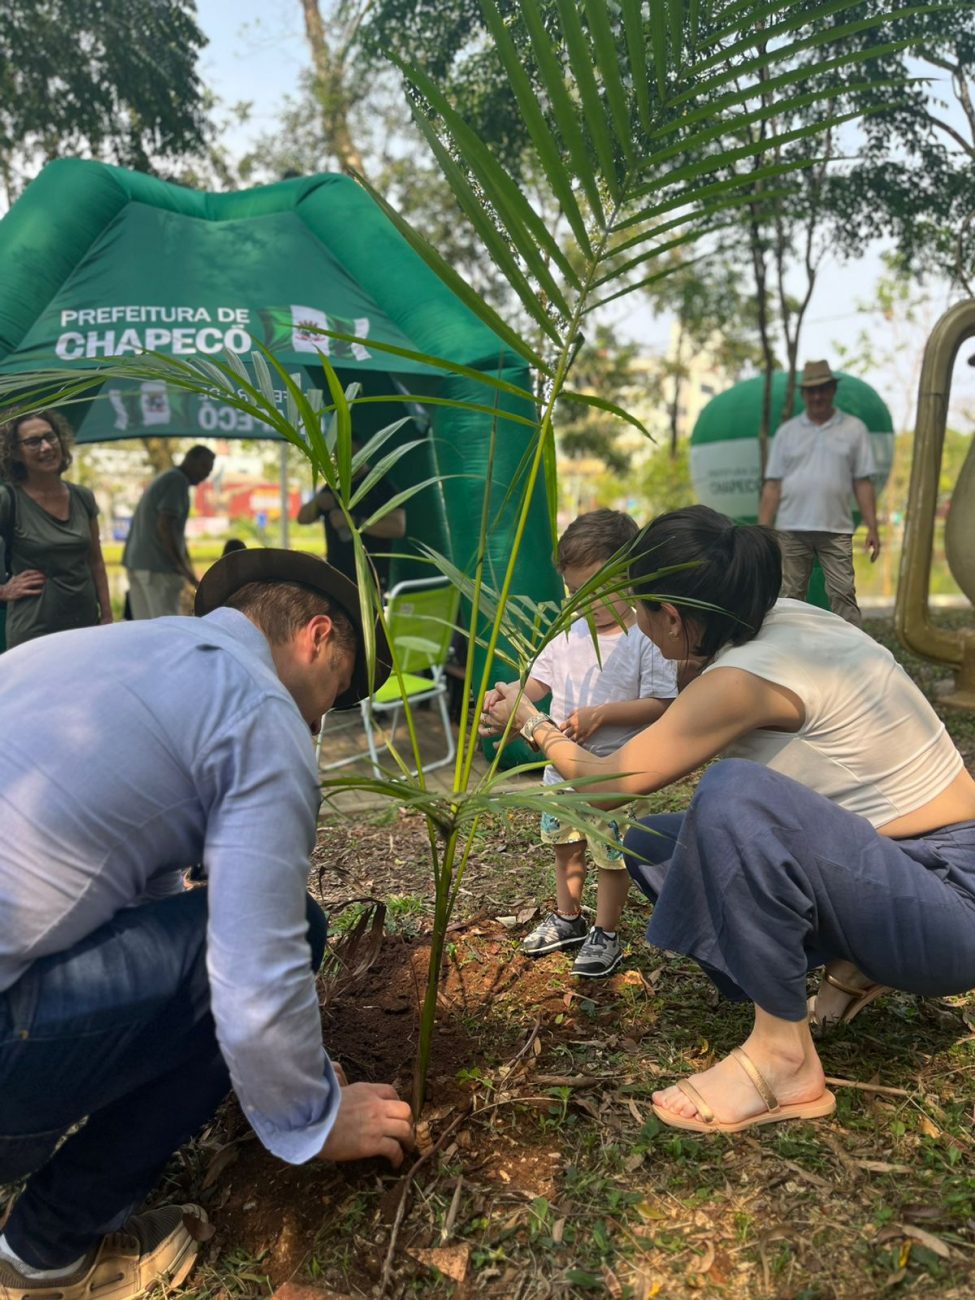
[871,742]
[629,667]
[817,464]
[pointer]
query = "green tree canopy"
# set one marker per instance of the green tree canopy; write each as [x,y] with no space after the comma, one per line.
[109,77]
[845,188]
[915,175]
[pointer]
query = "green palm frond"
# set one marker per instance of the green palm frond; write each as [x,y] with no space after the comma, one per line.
[651,126]
[632,115]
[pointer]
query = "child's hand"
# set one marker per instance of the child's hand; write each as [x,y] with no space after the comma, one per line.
[581,724]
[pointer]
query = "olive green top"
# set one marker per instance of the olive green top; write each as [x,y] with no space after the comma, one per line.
[60,549]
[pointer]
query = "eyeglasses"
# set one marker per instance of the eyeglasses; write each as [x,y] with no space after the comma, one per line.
[51,439]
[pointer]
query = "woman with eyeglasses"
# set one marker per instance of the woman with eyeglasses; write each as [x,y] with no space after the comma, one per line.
[49,530]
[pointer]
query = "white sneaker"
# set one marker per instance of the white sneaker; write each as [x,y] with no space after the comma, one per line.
[150,1249]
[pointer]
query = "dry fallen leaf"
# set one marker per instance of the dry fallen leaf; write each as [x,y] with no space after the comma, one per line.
[220,1163]
[584,1104]
[424,1138]
[614,1287]
[928,1239]
[928,1128]
[199,1229]
[648,1211]
[883,1167]
[451,1261]
[708,1258]
[915,1212]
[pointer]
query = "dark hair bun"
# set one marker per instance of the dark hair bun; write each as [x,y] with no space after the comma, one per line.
[727,574]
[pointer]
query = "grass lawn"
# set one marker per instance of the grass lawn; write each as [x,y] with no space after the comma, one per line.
[549,1176]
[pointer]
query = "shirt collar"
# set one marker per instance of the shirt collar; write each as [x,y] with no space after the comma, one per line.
[833,419]
[239,628]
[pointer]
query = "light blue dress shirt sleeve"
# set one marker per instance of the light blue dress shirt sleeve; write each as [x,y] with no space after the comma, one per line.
[259,837]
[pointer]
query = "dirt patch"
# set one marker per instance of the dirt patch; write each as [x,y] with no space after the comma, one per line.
[550,1166]
[551,1179]
[502,1019]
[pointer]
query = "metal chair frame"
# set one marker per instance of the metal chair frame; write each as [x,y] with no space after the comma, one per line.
[420,631]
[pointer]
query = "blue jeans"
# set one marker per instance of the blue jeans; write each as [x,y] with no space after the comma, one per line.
[762,879]
[118,1029]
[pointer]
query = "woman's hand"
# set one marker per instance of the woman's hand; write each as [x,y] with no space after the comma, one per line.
[581,723]
[486,728]
[106,619]
[29,583]
[503,703]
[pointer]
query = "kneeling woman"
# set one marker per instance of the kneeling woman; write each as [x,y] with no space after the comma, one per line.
[839,830]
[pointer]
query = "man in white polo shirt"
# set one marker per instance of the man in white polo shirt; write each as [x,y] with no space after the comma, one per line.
[817,462]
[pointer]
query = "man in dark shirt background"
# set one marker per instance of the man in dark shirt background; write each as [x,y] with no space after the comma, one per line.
[155,555]
[376,537]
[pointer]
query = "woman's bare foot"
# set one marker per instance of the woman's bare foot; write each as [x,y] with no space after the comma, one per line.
[787,1061]
[834,999]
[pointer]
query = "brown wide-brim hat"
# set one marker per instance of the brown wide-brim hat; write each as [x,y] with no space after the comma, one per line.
[272,564]
[815,374]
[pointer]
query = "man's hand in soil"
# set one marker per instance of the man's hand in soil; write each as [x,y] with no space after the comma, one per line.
[372,1121]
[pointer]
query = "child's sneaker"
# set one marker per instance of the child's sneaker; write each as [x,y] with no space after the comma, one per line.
[599,955]
[553,933]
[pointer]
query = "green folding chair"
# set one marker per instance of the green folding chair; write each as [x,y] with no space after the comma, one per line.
[421,616]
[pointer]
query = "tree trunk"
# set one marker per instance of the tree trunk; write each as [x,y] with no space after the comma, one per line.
[160,453]
[678,379]
[760,271]
[760,268]
[793,316]
[331,89]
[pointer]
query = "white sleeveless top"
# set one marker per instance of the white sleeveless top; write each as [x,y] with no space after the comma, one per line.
[870,742]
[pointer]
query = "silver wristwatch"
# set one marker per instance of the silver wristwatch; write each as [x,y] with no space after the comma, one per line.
[532,725]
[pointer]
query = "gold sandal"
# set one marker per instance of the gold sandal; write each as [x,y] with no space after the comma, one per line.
[861,997]
[708,1123]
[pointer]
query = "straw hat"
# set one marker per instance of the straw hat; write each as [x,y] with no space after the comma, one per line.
[815,374]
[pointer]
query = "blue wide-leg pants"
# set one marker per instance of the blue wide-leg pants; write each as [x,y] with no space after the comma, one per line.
[763,879]
[117,1029]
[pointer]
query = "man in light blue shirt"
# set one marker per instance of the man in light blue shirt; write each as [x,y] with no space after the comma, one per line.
[819,462]
[131,751]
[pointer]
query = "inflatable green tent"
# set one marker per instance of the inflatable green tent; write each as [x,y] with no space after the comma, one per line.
[725,452]
[97,262]
[724,443]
